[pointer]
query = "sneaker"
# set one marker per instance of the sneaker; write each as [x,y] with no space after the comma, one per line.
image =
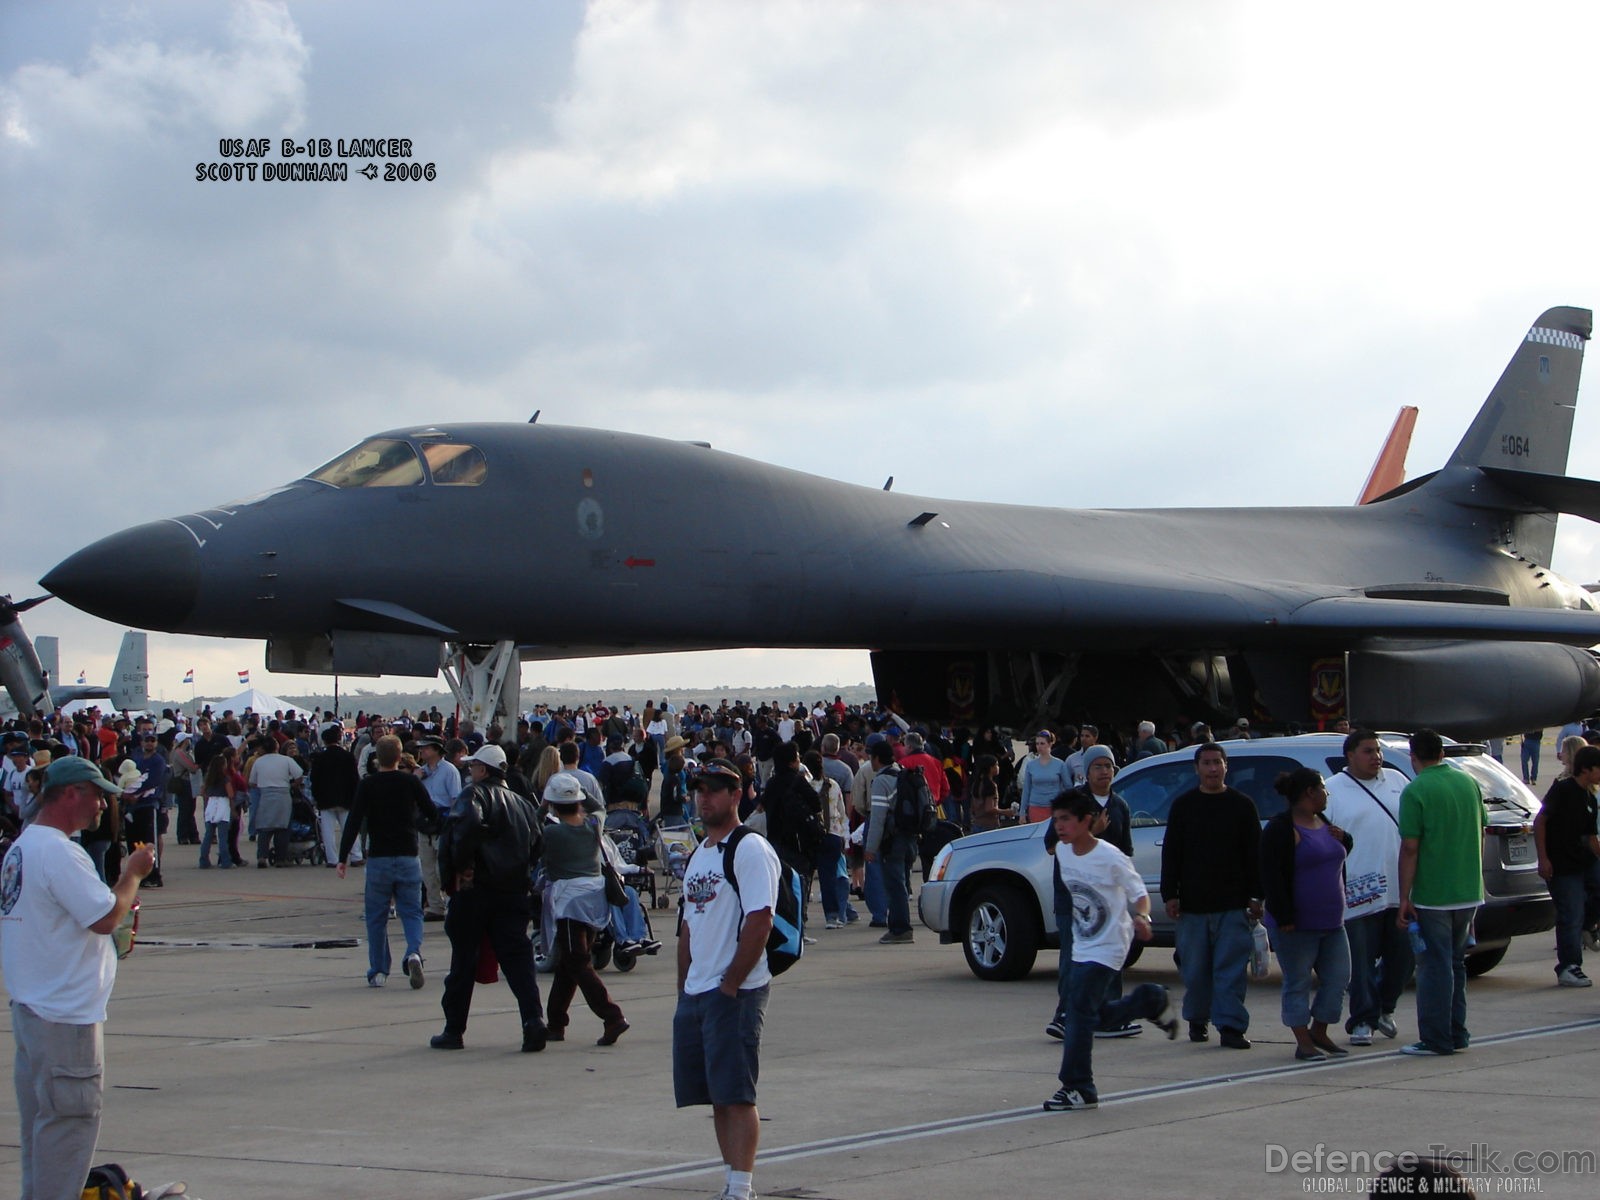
[850,918]
[807,940]
[1387,1027]
[534,1036]
[1121,1031]
[446,1041]
[377,980]
[1420,1050]
[552,1034]
[834,925]
[1070,1100]
[649,946]
[1573,977]
[1056,1030]
[1591,939]
[1164,1020]
[613,1031]
[897,939]
[412,966]
[1198,1032]
[1361,1035]
[1233,1039]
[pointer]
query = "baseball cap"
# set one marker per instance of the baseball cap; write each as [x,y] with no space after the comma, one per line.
[721,772]
[491,756]
[74,769]
[563,788]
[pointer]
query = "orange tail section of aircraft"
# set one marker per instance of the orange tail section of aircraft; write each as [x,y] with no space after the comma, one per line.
[1389,471]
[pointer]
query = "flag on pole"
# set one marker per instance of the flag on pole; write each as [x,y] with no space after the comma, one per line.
[188,676]
[82,678]
[244,678]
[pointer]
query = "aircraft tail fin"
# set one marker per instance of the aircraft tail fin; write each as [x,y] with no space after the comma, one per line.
[49,651]
[1526,423]
[1389,469]
[130,678]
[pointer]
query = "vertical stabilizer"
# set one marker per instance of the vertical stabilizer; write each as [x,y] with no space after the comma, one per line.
[49,650]
[1526,423]
[130,678]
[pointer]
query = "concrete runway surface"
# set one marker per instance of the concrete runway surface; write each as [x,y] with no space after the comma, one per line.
[249,1058]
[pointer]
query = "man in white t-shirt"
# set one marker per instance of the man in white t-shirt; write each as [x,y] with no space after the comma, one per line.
[723,975]
[55,920]
[1364,800]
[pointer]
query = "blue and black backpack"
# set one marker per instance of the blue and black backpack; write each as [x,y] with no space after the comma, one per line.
[786,942]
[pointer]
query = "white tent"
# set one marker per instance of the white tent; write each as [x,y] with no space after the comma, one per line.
[254,699]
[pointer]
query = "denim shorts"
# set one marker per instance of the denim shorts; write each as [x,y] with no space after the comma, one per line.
[716,1047]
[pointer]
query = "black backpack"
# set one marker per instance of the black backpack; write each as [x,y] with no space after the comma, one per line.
[913,813]
[794,818]
[786,942]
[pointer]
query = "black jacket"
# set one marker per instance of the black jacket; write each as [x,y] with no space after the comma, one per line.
[333,777]
[491,831]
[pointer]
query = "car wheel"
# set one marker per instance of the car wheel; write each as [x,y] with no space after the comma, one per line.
[1481,962]
[1001,941]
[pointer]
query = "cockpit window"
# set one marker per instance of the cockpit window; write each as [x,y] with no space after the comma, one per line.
[453,464]
[380,462]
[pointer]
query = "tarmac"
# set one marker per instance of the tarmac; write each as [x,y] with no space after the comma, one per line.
[246,1055]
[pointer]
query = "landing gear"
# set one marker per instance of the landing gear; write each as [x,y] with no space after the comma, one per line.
[485,680]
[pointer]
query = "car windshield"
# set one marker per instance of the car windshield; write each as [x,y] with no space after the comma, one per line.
[1499,786]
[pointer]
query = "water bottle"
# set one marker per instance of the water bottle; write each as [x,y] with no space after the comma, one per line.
[1418,944]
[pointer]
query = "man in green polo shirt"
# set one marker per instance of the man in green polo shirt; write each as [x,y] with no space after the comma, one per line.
[1441,885]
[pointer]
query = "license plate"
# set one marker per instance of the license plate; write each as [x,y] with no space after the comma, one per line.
[1520,850]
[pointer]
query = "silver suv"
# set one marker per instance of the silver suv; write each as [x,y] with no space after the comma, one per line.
[992,892]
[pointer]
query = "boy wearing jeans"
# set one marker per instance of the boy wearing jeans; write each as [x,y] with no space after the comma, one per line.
[1104,888]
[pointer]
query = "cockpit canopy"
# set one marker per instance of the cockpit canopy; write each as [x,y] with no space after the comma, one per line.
[401,462]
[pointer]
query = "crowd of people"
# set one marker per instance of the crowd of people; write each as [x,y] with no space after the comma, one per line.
[1365,878]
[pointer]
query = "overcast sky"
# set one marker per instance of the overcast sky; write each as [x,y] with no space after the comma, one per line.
[1094,255]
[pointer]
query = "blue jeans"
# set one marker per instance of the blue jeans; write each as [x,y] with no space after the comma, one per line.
[216,831]
[1088,1010]
[627,920]
[873,894]
[831,881]
[1302,953]
[1530,760]
[896,858]
[1442,978]
[1215,948]
[400,880]
[1577,897]
[1380,966]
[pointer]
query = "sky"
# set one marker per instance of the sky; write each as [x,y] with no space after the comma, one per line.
[1076,254]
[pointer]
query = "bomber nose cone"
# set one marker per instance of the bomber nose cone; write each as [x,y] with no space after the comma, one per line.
[146,577]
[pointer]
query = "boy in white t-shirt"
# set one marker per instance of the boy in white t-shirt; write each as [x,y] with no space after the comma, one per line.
[1105,888]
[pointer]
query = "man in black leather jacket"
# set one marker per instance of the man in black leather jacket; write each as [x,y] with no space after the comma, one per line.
[489,843]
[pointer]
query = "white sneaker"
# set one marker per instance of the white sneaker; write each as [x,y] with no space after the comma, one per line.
[412,966]
[1573,977]
[377,980]
[1361,1035]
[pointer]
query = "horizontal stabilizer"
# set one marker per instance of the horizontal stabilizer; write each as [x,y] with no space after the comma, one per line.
[1365,617]
[1551,493]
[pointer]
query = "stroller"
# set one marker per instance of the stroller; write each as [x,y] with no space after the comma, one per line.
[631,834]
[305,845]
[673,847]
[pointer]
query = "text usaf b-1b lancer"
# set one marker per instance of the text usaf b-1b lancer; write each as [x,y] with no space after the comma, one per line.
[1435,604]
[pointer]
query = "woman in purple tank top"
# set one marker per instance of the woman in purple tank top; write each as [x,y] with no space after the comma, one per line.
[1302,874]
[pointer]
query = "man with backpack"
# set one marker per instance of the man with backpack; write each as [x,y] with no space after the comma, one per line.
[794,825]
[902,811]
[723,977]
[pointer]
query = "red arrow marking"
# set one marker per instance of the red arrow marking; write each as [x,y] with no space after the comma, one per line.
[638,562]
